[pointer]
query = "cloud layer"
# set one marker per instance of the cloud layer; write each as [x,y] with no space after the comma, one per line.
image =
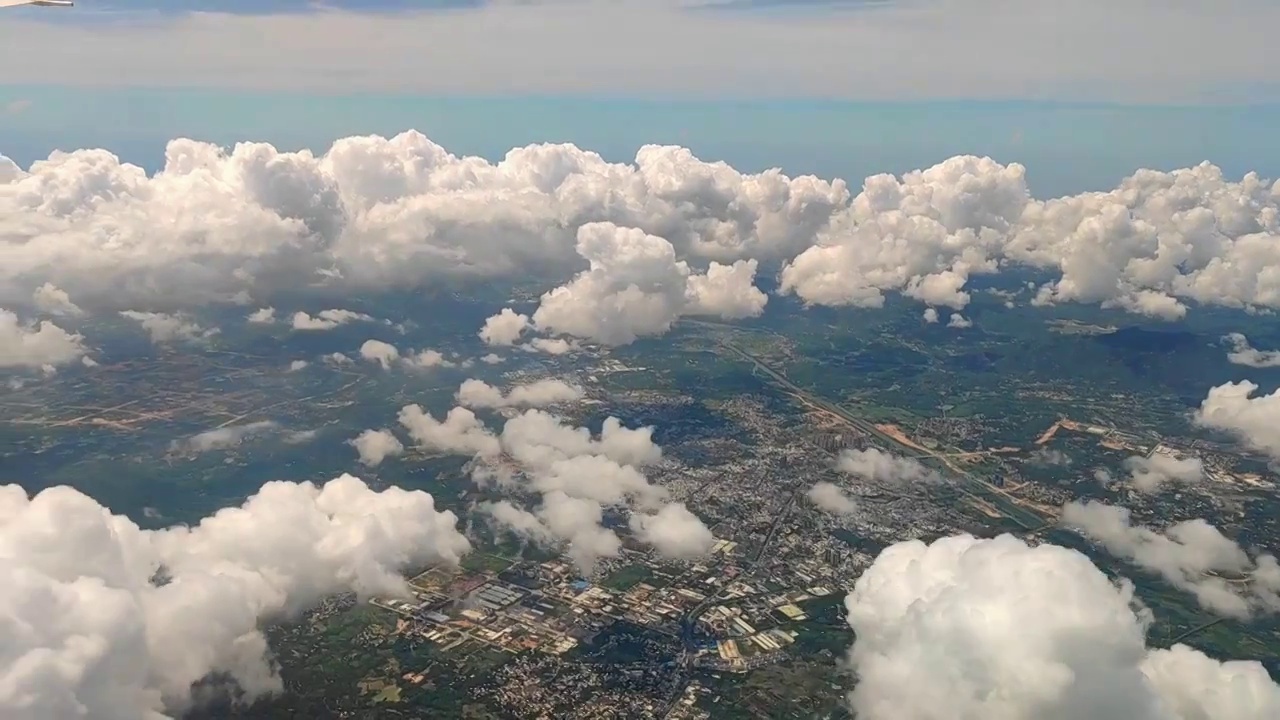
[570,47]
[634,246]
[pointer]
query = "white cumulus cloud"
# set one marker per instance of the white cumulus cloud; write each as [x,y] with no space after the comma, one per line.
[89,634]
[374,446]
[36,345]
[634,287]
[539,393]
[1234,409]
[165,328]
[1191,555]
[1149,474]
[879,466]
[326,319]
[262,316]
[576,474]
[674,532]
[371,212]
[505,328]
[965,628]
[377,351]
[1242,353]
[830,497]
[634,245]
[51,299]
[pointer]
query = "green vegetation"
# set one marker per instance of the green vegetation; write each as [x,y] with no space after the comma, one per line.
[802,688]
[483,562]
[390,693]
[624,578]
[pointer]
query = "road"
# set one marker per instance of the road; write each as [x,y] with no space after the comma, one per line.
[974,487]
[689,620]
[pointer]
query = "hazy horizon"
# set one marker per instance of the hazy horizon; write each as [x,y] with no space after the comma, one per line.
[1067,147]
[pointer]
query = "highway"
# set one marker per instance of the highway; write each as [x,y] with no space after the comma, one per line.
[689,620]
[974,487]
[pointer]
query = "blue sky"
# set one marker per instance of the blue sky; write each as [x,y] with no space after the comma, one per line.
[844,87]
[1067,148]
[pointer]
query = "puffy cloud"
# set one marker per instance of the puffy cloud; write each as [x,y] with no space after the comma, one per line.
[552,346]
[959,321]
[930,315]
[726,291]
[562,518]
[969,628]
[374,446]
[922,235]
[505,328]
[674,531]
[165,328]
[297,365]
[1149,474]
[35,346]
[223,437]
[380,352]
[426,359]
[879,466]
[1232,408]
[460,431]
[828,496]
[491,359]
[386,355]
[53,300]
[519,521]
[598,477]
[537,437]
[1242,353]
[634,286]
[373,213]
[89,633]
[1191,555]
[262,316]
[540,393]
[326,319]
[1156,241]
[575,472]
